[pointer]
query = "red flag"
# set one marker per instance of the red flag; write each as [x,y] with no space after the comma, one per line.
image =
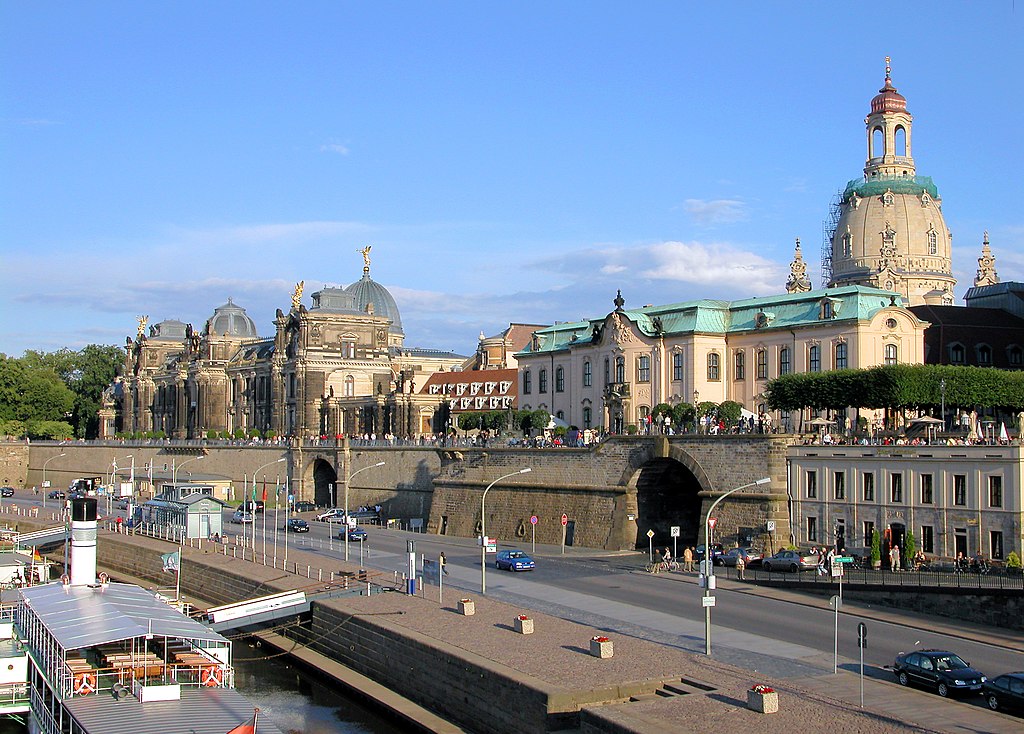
[248,727]
[264,490]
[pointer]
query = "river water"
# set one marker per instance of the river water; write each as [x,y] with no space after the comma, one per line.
[299,700]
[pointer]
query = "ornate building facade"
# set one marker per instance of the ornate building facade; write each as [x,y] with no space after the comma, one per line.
[338,366]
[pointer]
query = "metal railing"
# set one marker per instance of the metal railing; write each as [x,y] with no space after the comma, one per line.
[920,579]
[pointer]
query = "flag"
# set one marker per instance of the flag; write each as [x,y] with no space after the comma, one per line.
[264,490]
[172,561]
[248,727]
[35,555]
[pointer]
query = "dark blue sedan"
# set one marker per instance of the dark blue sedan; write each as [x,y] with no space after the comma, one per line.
[355,535]
[514,560]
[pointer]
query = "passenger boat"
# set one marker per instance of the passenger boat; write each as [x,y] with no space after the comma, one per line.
[90,656]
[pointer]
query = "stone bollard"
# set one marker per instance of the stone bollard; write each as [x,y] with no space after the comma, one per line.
[763,699]
[467,607]
[601,647]
[523,625]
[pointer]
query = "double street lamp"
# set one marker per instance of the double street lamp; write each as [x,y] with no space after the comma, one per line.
[175,467]
[709,563]
[347,482]
[483,528]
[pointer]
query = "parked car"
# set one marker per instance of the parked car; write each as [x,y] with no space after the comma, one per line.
[335,514]
[790,560]
[514,560]
[716,551]
[295,525]
[241,516]
[248,506]
[6,491]
[355,535]
[305,506]
[751,557]
[1004,692]
[56,494]
[942,670]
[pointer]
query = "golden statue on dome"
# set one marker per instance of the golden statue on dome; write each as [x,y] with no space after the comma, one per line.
[297,295]
[143,320]
[366,257]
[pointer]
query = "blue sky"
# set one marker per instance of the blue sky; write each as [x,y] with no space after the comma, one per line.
[506,161]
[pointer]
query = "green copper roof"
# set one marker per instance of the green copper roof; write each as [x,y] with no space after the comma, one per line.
[787,311]
[878,185]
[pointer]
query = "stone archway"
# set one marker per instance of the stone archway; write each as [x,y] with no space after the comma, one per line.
[667,494]
[325,483]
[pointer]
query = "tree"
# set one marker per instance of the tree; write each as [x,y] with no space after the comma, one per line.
[682,413]
[876,548]
[31,392]
[730,412]
[87,373]
[909,549]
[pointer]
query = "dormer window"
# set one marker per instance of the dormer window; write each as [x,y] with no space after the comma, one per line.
[957,354]
[1015,356]
[984,352]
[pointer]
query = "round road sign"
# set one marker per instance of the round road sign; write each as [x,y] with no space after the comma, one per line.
[565,519]
[533,519]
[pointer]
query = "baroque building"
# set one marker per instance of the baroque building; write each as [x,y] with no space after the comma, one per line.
[338,366]
[890,232]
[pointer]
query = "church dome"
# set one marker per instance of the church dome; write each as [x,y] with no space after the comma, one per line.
[888,100]
[231,320]
[168,329]
[367,291]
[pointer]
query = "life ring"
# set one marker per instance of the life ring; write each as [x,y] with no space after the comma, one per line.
[104,578]
[65,579]
[84,684]
[213,676]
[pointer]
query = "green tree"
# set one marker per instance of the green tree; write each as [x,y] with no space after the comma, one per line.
[31,392]
[683,413]
[87,373]
[876,548]
[909,549]
[730,412]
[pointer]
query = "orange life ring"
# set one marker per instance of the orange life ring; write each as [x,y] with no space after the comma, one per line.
[213,676]
[85,684]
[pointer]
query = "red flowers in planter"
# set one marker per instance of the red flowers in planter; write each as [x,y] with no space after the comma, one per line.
[599,639]
[522,617]
[762,689]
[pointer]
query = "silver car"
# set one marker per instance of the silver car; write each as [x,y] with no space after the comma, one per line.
[790,560]
[751,557]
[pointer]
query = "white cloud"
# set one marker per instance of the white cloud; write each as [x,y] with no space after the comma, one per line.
[717,211]
[334,148]
[714,264]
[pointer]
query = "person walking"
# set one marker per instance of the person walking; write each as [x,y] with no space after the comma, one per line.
[821,564]
[894,558]
[741,566]
[688,559]
[443,563]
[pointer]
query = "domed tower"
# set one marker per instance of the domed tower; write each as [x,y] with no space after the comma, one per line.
[890,233]
[371,297]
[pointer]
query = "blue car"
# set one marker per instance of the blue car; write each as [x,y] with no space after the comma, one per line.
[355,535]
[514,560]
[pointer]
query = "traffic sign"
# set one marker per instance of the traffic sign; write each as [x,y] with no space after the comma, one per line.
[565,519]
[707,601]
[674,531]
[712,521]
[533,519]
[650,533]
[842,559]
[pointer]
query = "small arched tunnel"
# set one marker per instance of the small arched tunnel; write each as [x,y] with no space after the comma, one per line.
[667,494]
[325,483]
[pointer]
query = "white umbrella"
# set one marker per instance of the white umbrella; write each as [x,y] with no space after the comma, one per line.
[1003,435]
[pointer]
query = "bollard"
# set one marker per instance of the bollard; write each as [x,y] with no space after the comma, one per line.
[332,577]
[320,575]
[309,573]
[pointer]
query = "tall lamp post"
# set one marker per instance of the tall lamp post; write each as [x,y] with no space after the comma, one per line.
[709,564]
[175,467]
[942,413]
[44,473]
[483,528]
[253,503]
[347,482]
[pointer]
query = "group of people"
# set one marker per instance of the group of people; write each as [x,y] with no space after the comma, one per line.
[688,556]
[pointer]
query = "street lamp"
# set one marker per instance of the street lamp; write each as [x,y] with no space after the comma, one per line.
[175,467]
[709,564]
[942,389]
[44,473]
[347,482]
[483,529]
[253,504]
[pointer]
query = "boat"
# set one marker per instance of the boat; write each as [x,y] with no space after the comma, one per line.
[87,655]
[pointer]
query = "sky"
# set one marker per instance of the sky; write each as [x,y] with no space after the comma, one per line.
[507,162]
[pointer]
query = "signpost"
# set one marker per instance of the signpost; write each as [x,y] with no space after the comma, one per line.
[674,532]
[835,602]
[565,521]
[533,528]
[650,543]
[862,642]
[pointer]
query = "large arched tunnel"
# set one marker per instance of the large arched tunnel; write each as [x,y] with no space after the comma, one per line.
[325,483]
[667,495]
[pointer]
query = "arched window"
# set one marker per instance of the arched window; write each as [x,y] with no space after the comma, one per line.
[350,386]
[957,354]
[677,366]
[814,358]
[714,368]
[542,382]
[527,382]
[933,242]
[588,374]
[643,368]
[891,354]
[847,245]
[877,143]
[900,138]
[559,379]
[740,365]
[785,361]
[607,371]
[841,362]
[984,355]
[762,364]
[620,369]
[588,417]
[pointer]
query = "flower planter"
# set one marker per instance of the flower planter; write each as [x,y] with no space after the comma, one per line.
[467,607]
[523,625]
[601,647]
[764,703]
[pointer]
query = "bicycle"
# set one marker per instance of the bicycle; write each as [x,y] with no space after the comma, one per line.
[659,566]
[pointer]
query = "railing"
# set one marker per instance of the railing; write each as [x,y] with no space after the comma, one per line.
[14,695]
[925,578]
[146,672]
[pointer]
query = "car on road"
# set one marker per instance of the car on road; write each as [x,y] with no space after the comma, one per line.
[295,525]
[305,506]
[716,551]
[6,491]
[790,560]
[56,494]
[355,535]
[514,560]
[751,557]
[942,670]
[249,506]
[1004,692]
[335,514]
[241,516]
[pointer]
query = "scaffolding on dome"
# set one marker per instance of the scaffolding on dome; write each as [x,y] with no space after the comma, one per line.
[878,185]
[828,230]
